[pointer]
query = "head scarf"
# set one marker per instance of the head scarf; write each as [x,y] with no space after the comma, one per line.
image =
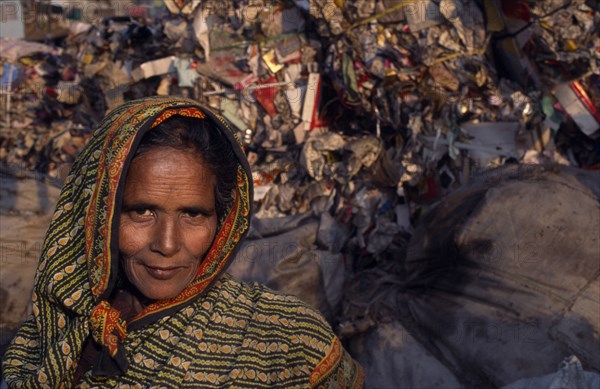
[80,255]
[217,332]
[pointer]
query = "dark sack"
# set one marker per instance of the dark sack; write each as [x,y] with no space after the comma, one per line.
[503,277]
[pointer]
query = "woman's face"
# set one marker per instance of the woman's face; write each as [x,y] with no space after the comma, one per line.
[168,220]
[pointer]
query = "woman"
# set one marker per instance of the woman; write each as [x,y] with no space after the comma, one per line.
[131,289]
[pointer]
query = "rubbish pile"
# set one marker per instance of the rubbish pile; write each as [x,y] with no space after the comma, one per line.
[369,111]
[410,97]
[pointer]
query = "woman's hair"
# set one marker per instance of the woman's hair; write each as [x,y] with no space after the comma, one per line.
[202,137]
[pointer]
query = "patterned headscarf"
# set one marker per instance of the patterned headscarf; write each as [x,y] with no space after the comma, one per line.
[80,255]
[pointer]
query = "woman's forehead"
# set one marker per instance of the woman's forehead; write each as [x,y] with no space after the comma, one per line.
[167,174]
[165,160]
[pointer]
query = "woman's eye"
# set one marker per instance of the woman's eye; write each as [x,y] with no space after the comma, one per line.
[142,213]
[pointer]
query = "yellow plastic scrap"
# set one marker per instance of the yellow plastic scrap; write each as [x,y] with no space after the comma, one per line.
[87,58]
[271,61]
[380,40]
[570,45]
[27,61]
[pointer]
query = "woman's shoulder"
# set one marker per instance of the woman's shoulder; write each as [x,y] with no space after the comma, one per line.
[283,329]
[270,306]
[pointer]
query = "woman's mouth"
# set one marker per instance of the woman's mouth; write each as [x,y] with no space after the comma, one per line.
[162,273]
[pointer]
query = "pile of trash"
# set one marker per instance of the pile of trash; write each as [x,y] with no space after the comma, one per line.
[397,99]
[370,112]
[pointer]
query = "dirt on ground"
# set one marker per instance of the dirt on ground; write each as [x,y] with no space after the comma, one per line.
[26,206]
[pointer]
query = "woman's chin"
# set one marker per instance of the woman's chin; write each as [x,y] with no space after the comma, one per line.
[157,295]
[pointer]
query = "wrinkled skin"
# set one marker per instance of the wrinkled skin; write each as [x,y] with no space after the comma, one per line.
[168,220]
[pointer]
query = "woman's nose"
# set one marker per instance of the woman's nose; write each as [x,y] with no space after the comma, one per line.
[167,239]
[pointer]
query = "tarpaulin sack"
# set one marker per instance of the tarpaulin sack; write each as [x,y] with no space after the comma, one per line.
[502,279]
[569,376]
[290,254]
[393,358]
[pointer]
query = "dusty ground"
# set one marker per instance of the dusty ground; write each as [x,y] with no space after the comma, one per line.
[26,206]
